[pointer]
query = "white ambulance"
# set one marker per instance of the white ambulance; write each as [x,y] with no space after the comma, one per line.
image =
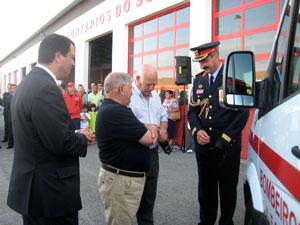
[272,179]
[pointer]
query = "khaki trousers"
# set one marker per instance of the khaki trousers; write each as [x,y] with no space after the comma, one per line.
[121,196]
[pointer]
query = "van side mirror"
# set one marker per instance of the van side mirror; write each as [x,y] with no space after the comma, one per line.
[238,89]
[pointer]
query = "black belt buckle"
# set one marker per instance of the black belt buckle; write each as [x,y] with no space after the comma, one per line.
[122,172]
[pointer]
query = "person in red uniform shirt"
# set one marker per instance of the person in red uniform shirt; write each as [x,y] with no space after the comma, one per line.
[73,102]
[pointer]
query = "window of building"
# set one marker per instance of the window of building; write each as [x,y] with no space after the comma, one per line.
[260,16]
[5,83]
[247,25]
[23,70]
[228,24]
[260,42]
[16,72]
[9,78]
[157,40]
[225,4]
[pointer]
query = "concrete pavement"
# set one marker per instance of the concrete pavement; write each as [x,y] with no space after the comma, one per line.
[176,202]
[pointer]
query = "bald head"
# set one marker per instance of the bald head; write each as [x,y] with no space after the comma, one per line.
[147,79]
[148,72]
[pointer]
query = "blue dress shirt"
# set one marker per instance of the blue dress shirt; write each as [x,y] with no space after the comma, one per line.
[148,110]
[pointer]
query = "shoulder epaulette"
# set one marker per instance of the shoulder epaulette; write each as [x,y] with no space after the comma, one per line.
[202,74]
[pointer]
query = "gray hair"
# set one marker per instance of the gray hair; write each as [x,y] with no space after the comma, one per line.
[115,80]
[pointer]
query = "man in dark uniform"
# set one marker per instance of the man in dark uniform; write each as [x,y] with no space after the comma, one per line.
[10,139]
[217,134]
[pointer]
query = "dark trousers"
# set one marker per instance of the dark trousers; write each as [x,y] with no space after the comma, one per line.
[10,140]
[145,212]
[76,124]
[170,128]
[217,174]
[5,138]
[63,220]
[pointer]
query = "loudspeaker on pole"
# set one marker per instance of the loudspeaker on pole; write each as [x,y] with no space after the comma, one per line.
[183,70]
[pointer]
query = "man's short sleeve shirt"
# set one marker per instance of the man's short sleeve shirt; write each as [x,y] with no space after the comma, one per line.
[118,133]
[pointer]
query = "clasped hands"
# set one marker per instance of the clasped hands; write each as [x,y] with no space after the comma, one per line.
[157,133]
[88,133]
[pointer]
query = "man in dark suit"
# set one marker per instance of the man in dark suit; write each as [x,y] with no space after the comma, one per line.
[10,140]
[217,135]
[44,185]
[6,95]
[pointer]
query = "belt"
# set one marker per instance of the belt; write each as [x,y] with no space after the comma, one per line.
[123,172]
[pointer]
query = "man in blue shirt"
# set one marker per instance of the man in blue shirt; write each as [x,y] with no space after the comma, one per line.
[146,106]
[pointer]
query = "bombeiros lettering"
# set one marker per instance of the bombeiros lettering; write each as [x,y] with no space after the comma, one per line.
[119,9]
[279,205]
[106,16]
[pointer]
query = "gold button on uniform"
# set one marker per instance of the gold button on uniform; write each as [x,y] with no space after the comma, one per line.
[210,128]
[209,96]
[210,106]
[209,117]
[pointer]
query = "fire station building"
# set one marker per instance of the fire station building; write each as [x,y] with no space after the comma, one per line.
[122,35]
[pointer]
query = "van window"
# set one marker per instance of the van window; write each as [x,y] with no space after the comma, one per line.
[295,70]
[281,48]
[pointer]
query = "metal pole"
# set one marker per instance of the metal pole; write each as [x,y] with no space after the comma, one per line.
[183,122]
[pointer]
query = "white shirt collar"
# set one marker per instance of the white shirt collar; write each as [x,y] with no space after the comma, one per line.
[215,74]
[48,71]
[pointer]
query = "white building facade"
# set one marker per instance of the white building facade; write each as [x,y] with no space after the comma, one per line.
[121,35]
[113,16]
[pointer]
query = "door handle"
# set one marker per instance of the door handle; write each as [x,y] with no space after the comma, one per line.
[296,151]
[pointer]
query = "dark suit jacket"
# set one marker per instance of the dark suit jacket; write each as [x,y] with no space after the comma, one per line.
[6,103]
[45,175]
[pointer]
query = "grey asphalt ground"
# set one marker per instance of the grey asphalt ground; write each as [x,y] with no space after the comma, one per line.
[176,202]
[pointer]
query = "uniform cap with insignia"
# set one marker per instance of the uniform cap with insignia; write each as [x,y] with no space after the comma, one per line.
[202,51]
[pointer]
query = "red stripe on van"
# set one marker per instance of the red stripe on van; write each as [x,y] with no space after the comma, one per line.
[284,171]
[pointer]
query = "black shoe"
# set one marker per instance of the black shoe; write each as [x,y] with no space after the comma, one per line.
[9,147]
[4,141]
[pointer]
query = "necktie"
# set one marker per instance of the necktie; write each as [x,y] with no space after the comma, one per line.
[211,81]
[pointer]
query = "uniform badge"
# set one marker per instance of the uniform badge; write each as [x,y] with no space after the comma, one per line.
[199,91]
[200,86]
